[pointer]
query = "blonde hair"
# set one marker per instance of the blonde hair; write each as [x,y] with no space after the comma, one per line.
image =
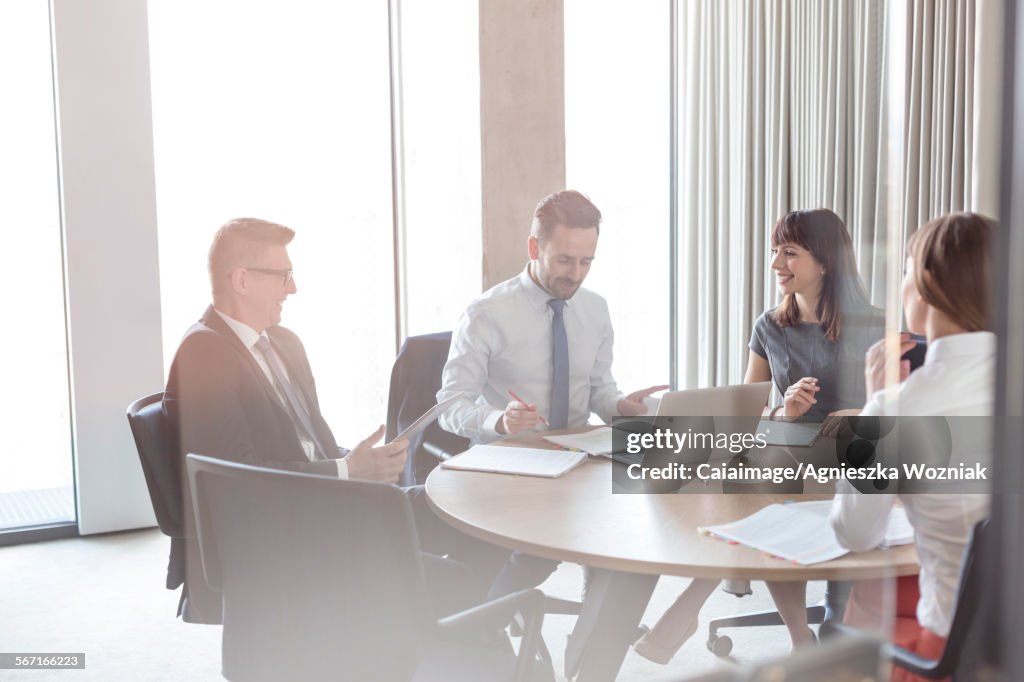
[237,242]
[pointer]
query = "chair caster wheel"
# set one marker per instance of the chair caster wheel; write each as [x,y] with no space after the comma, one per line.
[719,645]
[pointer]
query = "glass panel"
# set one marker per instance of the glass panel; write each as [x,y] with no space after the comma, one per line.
[36,473]
[617,141]
[284,114]
[441,102]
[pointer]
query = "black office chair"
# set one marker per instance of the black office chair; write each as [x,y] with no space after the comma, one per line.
[322,578]
[415,381]
[158,455]
[971,592]
[158,450]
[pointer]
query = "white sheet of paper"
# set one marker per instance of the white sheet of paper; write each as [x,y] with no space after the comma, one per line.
[596,442]
[785,531]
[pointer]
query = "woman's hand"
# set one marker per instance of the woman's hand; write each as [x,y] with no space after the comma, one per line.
[835,420]
[800,397]
[874,364]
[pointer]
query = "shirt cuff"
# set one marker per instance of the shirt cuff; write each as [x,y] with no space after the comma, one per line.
[490,425]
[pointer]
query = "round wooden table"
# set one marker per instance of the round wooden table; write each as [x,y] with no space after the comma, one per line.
[627,540]
[578,518]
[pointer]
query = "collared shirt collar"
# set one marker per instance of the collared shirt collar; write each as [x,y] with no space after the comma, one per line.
[535,293]
[246,334]
[956,345]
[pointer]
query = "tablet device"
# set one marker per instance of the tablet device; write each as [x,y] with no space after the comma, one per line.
[427,418]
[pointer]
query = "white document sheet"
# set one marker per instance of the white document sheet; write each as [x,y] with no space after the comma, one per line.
[596,442]
[511,460]
[801,532]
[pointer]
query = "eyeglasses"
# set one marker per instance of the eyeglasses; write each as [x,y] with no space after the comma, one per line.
[286,275]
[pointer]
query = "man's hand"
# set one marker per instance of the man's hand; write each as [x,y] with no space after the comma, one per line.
[799,397]
[384,463]
[633,404]
[874,364]
[517,417]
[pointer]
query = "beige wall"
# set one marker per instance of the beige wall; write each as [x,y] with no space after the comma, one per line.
[522,124]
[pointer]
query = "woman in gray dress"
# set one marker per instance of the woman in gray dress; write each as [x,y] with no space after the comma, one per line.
[811,347]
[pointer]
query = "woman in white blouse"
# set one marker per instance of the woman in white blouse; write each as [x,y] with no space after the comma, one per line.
[946,296]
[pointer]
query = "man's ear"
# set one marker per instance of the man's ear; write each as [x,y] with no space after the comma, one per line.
[239,280]
[533,247]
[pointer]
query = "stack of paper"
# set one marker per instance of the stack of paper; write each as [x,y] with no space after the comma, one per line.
[511,460]
[801,532]
[899,532]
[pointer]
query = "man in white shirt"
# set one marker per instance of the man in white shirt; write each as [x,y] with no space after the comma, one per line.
[241,388]
[536,351]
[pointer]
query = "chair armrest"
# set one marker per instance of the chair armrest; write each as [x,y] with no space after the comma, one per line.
[918,665]
[436,451]
[928,668]
[494,614]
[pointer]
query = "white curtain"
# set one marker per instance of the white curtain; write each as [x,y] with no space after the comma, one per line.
[780,109]
[785,105]
[953,108]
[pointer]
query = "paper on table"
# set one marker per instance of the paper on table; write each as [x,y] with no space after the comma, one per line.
[899,531]
[801,531]
[784,531]
[596,442]
[511,460]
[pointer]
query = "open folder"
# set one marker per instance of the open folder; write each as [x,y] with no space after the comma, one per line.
[801,532]
[502,459]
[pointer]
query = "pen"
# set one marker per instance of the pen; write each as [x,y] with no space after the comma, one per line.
[515,397]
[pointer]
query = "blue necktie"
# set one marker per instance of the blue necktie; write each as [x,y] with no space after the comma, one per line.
[299,412]
[559,417]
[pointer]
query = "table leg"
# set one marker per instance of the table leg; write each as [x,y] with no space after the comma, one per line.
[612,608]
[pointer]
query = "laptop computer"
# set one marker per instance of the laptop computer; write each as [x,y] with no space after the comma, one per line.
[736,406]
[722,409]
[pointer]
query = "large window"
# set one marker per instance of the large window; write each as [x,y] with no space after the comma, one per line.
[617,142]
[36,465]
[441,162]
[282,112]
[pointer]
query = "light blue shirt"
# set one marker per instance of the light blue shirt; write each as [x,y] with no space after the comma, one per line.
[503,342]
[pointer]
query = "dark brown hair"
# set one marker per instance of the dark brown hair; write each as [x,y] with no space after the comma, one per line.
[956,251]
[569,208]
[823,233]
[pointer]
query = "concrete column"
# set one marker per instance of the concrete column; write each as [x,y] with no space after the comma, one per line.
[522,123]
[108,202]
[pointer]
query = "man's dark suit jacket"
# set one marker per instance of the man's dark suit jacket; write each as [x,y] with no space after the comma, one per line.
[218,402]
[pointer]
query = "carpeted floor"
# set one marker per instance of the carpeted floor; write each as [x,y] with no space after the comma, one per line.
[103,595]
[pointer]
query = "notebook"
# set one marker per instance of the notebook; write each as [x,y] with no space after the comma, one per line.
[801,532]
[501,459]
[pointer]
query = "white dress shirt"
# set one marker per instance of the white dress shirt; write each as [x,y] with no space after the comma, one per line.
[249,336]
[957,379]
[503,342]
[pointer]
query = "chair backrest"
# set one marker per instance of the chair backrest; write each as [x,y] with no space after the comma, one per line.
[415,381]
[970,594]
[320,577]
[158,453]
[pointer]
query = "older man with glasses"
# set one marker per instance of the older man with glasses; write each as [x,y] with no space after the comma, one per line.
[241,388]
